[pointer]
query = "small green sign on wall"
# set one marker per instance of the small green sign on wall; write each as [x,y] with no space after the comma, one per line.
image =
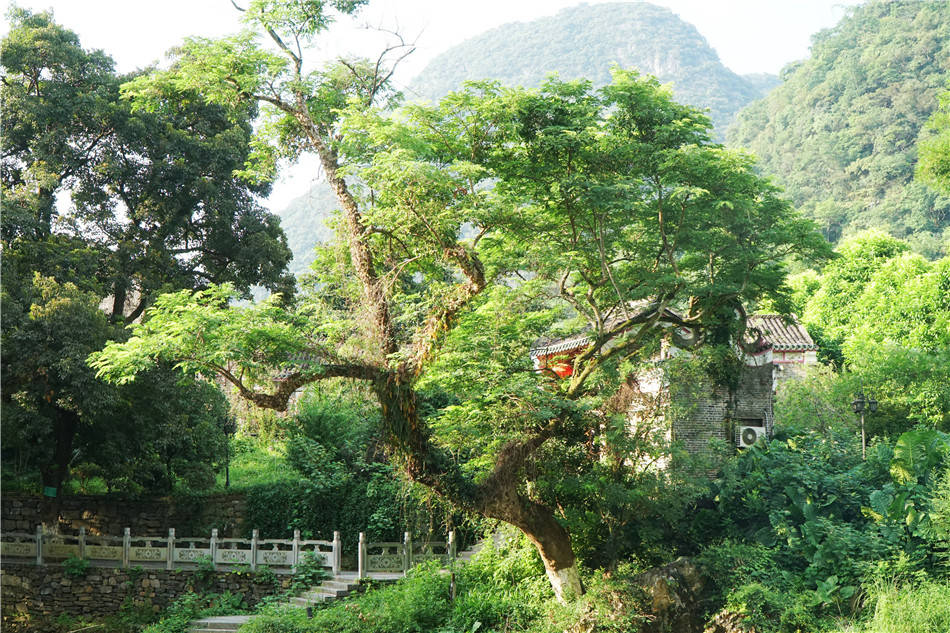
[49,491]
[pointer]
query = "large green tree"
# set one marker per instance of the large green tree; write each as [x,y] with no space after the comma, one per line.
[101,200]
[467,230]
[884,313]
[153,191]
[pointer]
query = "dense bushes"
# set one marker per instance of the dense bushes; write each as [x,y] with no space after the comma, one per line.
[504,588]
[191,606]
[807,525]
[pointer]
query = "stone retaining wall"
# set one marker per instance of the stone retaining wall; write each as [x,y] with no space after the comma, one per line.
[32,594]
[111,515]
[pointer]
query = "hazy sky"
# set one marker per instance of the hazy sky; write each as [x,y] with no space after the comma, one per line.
[749,35]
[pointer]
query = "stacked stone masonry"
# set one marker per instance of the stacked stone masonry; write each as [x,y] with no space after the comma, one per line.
[111,515]
[32,593]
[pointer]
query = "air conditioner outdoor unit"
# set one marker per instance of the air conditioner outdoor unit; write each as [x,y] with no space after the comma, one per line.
[749,435]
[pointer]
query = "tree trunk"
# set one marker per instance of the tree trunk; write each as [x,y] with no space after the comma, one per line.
[552,541]
[497,498]
[65,426]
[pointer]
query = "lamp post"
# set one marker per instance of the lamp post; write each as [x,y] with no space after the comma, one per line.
[859,404]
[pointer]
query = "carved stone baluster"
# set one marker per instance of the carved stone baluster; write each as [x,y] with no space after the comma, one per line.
[254,536]
[361,557]
[126,546]
[214,548]
[39,544]
[335,563]
[170,553]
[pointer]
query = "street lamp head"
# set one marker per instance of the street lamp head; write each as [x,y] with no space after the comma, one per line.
[872,404]
[857,405]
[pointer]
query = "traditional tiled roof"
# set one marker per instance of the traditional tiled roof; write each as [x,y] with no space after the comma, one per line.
[783,335]
[775,331]
[550,347]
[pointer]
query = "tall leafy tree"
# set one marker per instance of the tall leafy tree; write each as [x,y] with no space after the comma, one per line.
[467,230]
[154,191]
[882,312]
[102,200]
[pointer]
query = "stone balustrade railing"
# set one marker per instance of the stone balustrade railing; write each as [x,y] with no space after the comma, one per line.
[174,552]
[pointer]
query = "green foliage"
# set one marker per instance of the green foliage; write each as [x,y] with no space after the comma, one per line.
[192,606]
[820,401]
[910,607]
[203,573]
[578,42]
[311,570]
[883,313]
[584,204]
[101,201]
[841,132]
[335,477]
[75,567]
[807,523]
[933,166]
[502,589]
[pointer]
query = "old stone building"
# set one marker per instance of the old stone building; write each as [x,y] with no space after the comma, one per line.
[705,418]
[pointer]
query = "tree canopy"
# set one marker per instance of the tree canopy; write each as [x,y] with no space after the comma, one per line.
[105,201]
[497,213]
[152,192]
[882,312]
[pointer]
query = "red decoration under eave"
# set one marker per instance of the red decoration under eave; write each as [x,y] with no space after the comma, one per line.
[558,364]
[563,370]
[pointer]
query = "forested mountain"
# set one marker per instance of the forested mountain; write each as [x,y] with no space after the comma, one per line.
[841,132]
[582,41]
[304,220]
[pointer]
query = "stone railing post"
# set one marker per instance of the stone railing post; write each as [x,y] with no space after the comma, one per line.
[39,544]
[406,552]
[450,550]
[255,534]
[82,542]
[126,546]
[335,563]
[214,548]
[295,557]
[361,557]
[170,552]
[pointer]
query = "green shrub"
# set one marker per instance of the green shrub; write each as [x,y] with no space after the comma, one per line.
[203,573]
[732,563]
[75,567]
[759,605]
[310,570]
[193,606]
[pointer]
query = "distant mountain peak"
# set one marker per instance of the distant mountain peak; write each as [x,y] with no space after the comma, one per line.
[584,41]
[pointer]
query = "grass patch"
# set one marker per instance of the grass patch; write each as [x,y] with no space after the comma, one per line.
[923,607]
[255,462]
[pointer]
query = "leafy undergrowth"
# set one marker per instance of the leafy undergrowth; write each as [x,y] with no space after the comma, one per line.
[503,589]
[256,462]
[192,606]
